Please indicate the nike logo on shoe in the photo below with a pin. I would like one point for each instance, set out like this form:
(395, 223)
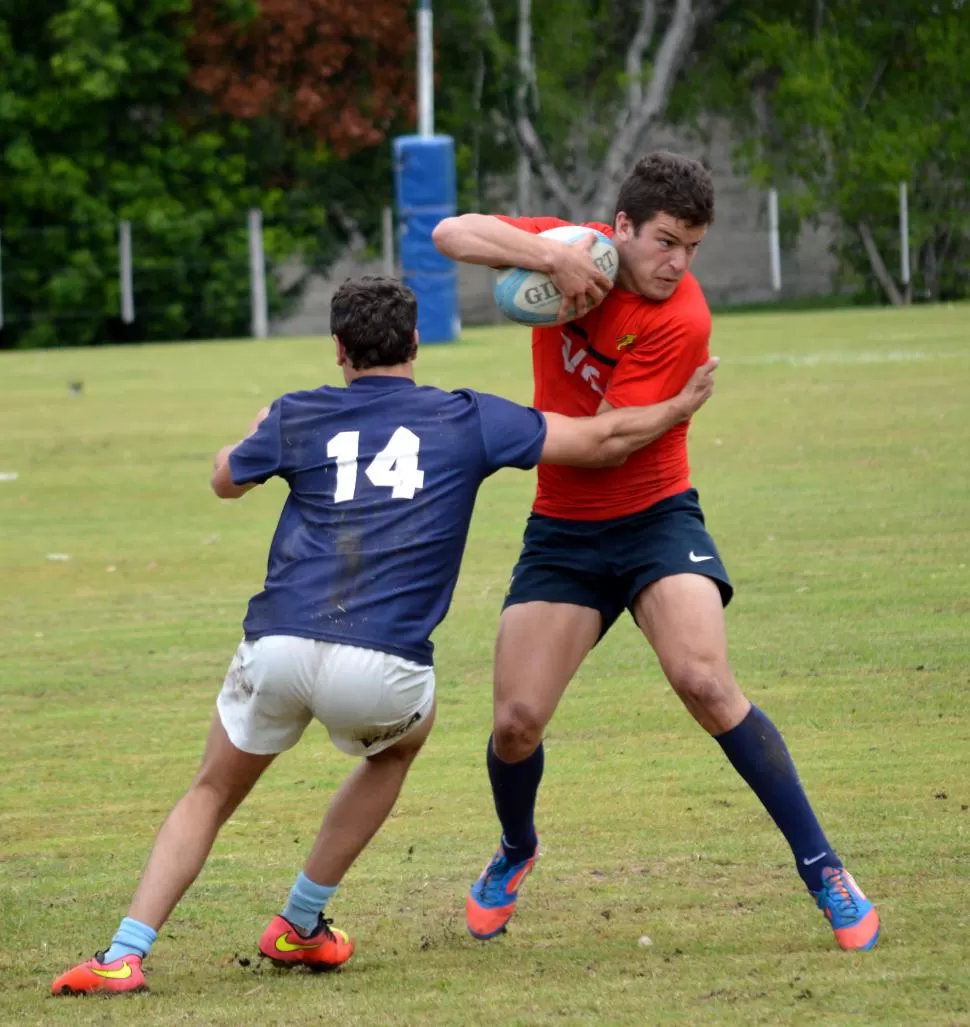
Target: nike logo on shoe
(694, 558)
(120, 974)
(283, 944)
(815, 859)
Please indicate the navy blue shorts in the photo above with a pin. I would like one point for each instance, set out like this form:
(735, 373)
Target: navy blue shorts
(606, 564)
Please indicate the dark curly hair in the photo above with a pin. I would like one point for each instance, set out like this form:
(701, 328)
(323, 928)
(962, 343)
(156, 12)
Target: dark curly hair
(667, 183)
(374, 318)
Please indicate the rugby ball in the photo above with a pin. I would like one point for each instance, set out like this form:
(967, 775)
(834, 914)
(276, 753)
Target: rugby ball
(531, 297)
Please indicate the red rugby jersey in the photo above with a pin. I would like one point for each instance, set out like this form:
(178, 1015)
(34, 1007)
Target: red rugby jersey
(630, 351)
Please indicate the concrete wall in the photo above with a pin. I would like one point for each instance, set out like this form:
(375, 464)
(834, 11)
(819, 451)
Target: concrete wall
(733, 264)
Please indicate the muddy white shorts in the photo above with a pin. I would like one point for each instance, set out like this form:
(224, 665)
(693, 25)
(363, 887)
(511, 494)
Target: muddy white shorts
(367, 700)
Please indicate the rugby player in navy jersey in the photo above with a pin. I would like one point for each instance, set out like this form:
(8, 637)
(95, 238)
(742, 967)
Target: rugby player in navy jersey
(382, 480)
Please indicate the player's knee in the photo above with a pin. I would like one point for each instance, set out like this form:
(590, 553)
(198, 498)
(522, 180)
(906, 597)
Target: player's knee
(216, 793)
(703, 685)
(517, 731)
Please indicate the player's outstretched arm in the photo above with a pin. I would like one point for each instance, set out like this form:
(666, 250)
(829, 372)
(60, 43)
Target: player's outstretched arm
(607, 439)
(221, 480)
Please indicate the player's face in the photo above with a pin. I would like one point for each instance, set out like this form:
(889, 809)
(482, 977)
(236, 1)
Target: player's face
(655, 258)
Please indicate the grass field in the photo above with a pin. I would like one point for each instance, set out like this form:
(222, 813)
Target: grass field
(833, 465)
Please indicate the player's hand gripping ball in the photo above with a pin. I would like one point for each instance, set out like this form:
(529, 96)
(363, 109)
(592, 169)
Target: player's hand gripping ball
(531, 297)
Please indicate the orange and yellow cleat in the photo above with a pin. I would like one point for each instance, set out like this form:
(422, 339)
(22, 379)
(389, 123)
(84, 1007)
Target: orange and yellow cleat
(121, 976)
(325, 949)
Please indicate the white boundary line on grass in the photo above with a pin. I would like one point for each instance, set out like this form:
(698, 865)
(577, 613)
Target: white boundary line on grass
(848, 357)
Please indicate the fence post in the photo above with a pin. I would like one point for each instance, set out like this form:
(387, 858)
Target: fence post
(904, 234)
(125, 273)
(387, 242)
(257, 276)
(774, 240)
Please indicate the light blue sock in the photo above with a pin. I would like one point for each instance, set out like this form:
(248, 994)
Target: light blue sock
(133, 938)
(306, 902)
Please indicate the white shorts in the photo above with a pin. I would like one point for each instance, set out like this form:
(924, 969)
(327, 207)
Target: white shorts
(367, 700)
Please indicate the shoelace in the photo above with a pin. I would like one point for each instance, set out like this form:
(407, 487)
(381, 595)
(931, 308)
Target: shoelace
(840, 895)
(499, 865)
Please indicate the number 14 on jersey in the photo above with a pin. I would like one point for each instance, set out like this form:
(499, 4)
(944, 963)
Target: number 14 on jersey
(395, 466)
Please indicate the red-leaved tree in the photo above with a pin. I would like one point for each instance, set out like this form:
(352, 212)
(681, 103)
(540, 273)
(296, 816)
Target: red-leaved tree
(341, 70)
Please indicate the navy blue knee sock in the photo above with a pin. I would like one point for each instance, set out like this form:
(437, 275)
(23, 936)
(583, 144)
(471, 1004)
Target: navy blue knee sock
(759, 754)
(514, 788)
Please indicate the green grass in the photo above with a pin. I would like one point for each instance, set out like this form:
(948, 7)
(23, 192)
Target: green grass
(832, 463)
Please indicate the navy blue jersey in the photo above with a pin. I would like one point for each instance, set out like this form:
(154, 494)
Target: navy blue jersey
(383, 477)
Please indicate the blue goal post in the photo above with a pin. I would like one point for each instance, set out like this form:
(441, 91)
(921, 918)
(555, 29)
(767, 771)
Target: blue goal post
(425, 193)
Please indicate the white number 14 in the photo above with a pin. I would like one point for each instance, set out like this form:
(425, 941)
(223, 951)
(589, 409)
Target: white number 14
(395, 466)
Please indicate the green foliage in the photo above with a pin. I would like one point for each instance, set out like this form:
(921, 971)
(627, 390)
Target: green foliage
(472, 92)
(99, 126)
(849, 101)
(836, 104)
(579, 85)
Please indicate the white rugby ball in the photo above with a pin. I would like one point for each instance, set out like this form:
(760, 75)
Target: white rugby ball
(531, 297)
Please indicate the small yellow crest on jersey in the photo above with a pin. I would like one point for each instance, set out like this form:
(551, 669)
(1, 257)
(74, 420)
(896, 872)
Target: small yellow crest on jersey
(626, 341)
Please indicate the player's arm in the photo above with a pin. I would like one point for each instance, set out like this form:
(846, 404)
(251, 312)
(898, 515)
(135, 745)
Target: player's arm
(494, 242)
(607, 439)
(221, 480)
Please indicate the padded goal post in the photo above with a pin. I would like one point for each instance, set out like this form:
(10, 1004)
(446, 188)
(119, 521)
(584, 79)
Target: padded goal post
(425, 193)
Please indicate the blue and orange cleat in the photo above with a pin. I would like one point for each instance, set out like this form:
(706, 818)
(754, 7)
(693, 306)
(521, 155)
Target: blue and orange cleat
(325, 949)
(491, 899)
(850, 914)
(95, 976)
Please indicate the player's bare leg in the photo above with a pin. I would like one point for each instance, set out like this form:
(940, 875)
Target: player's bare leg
(224, 779)
(539, 648)
(300, 934)
(361, 805)
(683, 619)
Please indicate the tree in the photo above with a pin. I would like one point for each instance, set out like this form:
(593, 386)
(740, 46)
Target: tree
(580, 102)
(101, 122)
(839, 104)
(337, 70)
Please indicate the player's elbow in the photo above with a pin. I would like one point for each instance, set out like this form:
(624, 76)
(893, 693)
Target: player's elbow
(611, 453)
(220, 488)
(460, 237)
(602, 447)
(447, 235)
(223, 485)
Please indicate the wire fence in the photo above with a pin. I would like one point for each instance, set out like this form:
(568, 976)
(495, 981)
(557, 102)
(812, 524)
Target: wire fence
(193, 276)
(201, 275)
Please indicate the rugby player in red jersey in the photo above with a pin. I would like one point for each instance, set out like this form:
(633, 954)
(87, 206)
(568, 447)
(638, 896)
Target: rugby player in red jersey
(633, 537)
